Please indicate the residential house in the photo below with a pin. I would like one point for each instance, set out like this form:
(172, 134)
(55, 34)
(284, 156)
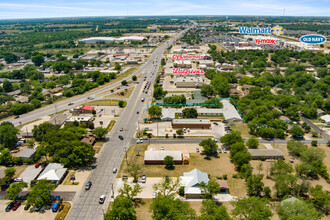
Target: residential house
(285, 119)
(258, 154)
(191, 182)
(53, 172)
(27, 153)
(326, 119)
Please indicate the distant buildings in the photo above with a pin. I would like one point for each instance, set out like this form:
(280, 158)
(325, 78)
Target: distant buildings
(94, 40)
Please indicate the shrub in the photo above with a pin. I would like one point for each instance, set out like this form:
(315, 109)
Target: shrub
(181, 191)
(219, 177)
(235, 176)
(314, 143)
(174, 135)
(225, 176)
(169, 162)
(315, 134)
(262, 158)
(166, 135)
(91, 125)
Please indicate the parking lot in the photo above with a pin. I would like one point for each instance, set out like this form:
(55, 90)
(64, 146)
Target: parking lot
(20, 213)
(166, 128)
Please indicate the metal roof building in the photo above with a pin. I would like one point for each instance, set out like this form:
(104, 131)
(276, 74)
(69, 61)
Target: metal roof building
(27, 153)
(94, 40)
(191, 181)
(266, 153)
(157, 156)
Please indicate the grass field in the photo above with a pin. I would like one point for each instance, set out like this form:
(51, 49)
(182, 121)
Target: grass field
(62, 214)
(105, 102)
(243, 128)
(110, 125)
(127, 93)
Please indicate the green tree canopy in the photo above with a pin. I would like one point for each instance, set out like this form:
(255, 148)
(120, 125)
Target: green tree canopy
(211, 211)
(122, 208)
(155, 111)
(252, 208)
(40, 193)
(189, 113)
(231, 138)
(169, 162)
(209, 146)
(14, 190)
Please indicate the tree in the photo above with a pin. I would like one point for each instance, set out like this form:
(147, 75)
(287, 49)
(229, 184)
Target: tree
(41, 130)
(253, 143)
(189, 113)
(296, 147)
(252, 208)
(297, 209)
(166, 207)
(159, 93)
(40, 193)
(14, 190)
(7, 86)
(320, 199)
(284, 184)
(38, 60)
(209, 146)
(167, 186)
(100, 132)
(210, 189)
(124, 82)
(168, 162)
(121, 104)
(155, 111)
(255, 185)
(231, 138)
(134, 78)
(134, 170)
(6, 157)
(241, 158)
(8, 134)
(10, 172)
(117, 67)
(211, 211)
(122, 208)
(207, 90)
(280, 167)
(296, 131)
(129, 192)
(179, 132)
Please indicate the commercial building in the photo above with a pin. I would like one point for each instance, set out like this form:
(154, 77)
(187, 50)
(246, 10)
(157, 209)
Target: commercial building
(192, 123)
(258, 154)
(80, 119)
(191, 182)
(189, 82)
(157, 156)
(182, 63)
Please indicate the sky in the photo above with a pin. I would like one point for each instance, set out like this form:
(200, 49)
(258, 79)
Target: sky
(80, 8)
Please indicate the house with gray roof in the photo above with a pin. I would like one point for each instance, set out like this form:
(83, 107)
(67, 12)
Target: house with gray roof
(191, 182)
(258, 154)
(54, 172)
(27, 153)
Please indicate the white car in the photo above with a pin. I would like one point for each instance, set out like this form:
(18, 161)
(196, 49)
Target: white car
(18, 180)
(154, 195)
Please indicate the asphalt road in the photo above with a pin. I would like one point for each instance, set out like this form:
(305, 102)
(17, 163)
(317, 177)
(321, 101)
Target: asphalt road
(86, 204)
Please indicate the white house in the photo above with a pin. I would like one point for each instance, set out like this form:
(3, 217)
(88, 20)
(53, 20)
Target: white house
(191, 182)
(326, 119)
(54, 172)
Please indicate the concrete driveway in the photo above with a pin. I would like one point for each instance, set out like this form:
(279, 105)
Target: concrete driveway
(30, 173)
(147, 188)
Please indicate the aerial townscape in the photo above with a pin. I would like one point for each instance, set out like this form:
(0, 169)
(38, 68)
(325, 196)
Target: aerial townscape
(175, 117)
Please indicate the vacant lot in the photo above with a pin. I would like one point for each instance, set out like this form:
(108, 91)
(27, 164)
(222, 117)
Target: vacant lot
(126, 93)
(105, 102)
(214, 166)
(243, 128)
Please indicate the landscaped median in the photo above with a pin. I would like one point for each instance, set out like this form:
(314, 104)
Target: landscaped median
(108, 102)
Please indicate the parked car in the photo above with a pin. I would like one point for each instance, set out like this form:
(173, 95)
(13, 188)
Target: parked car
(137, 112)
(9, 206)
(162, 148)
(143, 179)
(27, 206)
(121, 129)
(114, 170)
(101, 199)
(224, 150)
(154, 195)
(197, 149)
(18, 180)
(220, 151)
(16, 205)
(37, 208)
(17, 116)
(55, 207)
(215, 123)
(121, 137)
(37, 165)
(88, 185)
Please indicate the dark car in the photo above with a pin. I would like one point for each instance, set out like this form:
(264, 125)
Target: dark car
(16, 205)
(121, 137)
(17, 116)
(37, 208)
(27, 206)
(88, 185)
(137, 112)
(9, 206)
